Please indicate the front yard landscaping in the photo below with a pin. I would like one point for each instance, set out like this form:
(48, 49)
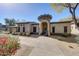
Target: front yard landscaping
(35, 45)
(8, 45)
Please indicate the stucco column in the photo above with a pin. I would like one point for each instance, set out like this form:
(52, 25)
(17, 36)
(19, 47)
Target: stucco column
(21, 29)
(29, 29)
(40, 28)
(48, 29)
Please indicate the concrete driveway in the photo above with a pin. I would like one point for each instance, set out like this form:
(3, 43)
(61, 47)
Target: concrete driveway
(46, 46)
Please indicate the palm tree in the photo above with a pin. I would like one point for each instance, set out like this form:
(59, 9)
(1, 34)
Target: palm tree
(45, 17)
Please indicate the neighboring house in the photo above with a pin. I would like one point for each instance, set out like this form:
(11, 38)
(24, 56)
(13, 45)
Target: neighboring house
(45, 27)
(2, 27)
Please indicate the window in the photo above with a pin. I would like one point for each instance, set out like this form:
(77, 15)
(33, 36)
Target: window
(53, 29)
(65, 29)
(23, 29)
(34, 29)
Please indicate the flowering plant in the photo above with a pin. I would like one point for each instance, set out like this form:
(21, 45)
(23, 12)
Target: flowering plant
(8, 45)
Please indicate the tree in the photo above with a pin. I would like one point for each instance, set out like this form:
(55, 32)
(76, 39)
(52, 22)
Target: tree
(12, 22)
(71, 7)
(6, 21)
(9, 22)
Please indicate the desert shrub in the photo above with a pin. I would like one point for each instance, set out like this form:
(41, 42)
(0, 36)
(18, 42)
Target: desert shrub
(8, 45)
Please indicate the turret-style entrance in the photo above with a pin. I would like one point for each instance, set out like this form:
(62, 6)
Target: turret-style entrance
(44, 25)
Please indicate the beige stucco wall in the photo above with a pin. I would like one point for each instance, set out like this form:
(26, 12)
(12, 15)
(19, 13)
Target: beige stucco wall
(21, 28)
(27, 28)
(59, 27)
(74, 30)
(13, 30)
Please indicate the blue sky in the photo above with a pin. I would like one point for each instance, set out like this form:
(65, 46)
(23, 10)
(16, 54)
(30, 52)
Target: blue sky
(30, 12)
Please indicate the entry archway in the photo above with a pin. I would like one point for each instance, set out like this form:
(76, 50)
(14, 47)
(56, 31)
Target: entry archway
(44, 27)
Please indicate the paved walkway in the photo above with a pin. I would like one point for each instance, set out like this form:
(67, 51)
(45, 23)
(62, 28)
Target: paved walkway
(45, 46)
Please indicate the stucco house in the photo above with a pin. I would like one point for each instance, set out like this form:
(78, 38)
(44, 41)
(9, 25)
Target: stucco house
(45, 27)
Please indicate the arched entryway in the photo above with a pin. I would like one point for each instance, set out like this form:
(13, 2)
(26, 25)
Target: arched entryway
(44, 27)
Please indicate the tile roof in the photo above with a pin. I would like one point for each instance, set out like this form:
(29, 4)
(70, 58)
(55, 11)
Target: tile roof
(25, 22)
